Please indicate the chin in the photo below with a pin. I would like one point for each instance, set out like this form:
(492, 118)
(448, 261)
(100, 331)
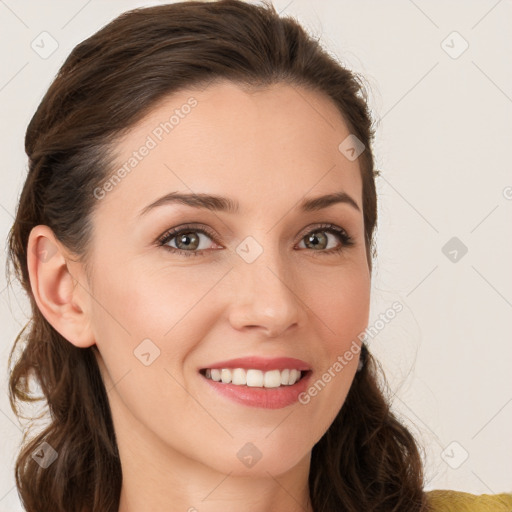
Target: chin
(247, 459)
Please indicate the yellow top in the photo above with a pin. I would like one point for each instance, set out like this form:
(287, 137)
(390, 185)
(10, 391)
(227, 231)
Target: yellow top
(457, 501)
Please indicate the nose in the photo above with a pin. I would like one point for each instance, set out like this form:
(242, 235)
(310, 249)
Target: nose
(264, 296)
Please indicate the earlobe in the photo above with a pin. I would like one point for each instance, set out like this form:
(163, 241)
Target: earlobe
(60, 296)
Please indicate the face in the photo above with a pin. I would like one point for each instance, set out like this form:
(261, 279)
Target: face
(269, 280)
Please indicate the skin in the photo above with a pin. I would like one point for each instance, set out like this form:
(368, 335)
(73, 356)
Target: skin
(178, 439)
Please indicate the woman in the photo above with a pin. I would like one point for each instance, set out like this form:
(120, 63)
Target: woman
(196, 238)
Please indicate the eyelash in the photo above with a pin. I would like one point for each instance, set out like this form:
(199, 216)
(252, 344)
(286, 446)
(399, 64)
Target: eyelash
(347, 240)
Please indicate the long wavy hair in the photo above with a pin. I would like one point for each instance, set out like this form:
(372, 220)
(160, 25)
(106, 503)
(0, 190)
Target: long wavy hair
(367, 460)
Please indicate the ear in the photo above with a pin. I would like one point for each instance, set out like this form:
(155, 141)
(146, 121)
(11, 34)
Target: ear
(62, 297)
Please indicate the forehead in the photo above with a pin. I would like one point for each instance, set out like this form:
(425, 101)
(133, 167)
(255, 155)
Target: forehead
(273, 144)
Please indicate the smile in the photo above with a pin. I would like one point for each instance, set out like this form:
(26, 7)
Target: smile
(253, 377)
(257, 388)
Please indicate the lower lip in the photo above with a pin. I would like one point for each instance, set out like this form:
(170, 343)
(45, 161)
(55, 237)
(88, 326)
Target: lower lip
(266, 398)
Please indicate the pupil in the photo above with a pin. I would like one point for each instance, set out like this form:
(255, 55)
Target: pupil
(313, 239)
(186, 238)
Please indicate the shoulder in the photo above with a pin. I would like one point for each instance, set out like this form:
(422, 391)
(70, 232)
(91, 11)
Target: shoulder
(457, 501)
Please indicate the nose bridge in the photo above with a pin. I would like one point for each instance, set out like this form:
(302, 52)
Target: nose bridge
(262, 264)
(265, 294)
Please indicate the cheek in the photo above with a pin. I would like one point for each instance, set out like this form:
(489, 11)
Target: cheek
(340, 298)
(341, 304)
(146, 323)
(135, 301)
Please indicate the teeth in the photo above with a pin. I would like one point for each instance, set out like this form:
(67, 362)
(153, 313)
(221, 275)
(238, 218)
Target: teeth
(238, 377)
(272, 379)
(225, 376)
(254, 378)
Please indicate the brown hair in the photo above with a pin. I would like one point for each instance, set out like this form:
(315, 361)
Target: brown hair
(367, 460)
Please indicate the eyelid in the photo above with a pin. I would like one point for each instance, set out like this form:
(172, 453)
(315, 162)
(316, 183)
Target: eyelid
(172, 232)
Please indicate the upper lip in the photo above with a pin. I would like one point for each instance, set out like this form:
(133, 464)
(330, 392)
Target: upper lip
(262, 363)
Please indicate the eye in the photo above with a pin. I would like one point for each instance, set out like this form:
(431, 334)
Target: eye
(186, 240)
(317, 238)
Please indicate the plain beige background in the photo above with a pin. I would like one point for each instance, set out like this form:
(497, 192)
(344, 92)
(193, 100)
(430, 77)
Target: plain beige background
(440, 85)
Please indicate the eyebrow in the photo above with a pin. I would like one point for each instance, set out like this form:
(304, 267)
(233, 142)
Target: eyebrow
(225, 204)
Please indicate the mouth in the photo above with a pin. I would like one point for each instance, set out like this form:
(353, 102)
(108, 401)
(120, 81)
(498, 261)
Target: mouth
(254, 378)
(270, 389)
(255, 381)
